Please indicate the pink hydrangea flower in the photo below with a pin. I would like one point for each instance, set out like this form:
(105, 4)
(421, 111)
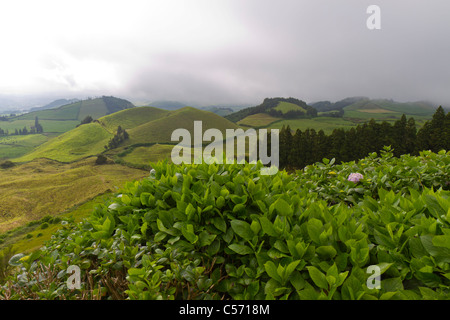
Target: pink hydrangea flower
(355, 177)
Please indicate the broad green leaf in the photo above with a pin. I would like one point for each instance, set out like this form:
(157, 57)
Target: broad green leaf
(434, 207)
(255, 226)
(282, 207)
(291, 267)
(240, 249)
(205, 238)
(272, 271)
(441, 241)
(144, 228)
(314, 227)
(387, 295)
(161, 226)
(318, 277)
(242, 229)
(238, 207)
(253, 288)
(392, 284)
(297, 280)
(220, 202)
(220, 223)
(267, 226)
(190, 210)
(126, 199)
(136, 271)
(188, 233)
(326, 252)
(441, 254)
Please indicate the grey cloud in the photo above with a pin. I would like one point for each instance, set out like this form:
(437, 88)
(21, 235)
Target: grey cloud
(244, 51)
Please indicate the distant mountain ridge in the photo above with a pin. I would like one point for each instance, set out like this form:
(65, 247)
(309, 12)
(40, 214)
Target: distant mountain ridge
(96, 108)
(55, 104)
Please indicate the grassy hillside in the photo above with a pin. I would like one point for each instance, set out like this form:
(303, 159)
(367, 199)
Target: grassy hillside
(144, 125)
(284, 107)
(96, 108)
(33, 235)
(17, 146)
(83, 141)
(131, 118)
(160, 130)
(257, 120)
(44, 187)
(387, 110)
(327, 124)
(143, 155)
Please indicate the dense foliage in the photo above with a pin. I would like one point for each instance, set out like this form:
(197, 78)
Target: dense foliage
(301, 148)
(225, 231)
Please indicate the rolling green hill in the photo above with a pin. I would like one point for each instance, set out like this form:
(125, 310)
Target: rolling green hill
(96, 108)
(285, 107)
(83, 141)
(131, 118)
(145, 125)
(388, 110)
(160, 130)
(59, 120)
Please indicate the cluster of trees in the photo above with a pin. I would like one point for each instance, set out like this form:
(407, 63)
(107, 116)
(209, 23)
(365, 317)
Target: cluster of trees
(86, 120)
(301, 148)
(120, 136)
(114, 104)
(268, 106)
(37, 128)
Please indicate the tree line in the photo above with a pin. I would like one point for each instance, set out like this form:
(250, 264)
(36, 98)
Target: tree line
(301, 148)
(37, 128)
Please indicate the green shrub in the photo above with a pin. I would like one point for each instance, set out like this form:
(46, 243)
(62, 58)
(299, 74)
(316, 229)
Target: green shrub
(101, 159)
(7, 164)
(44, 225)
(225, 231)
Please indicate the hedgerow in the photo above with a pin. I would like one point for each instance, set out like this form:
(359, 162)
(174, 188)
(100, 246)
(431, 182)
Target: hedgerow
(224, 231)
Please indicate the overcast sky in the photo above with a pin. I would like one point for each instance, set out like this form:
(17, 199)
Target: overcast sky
(225, 51)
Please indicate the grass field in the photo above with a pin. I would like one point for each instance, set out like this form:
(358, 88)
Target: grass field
(67, 112)
(327, 124)
(145, 155)
(144, 125)
(131, 118)
(95, 108)
(257, 120)
(284, 107)
(86, 140)
(160, 130)
(58, 126)
(44, 187)
(33, 235)
(16, 146)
